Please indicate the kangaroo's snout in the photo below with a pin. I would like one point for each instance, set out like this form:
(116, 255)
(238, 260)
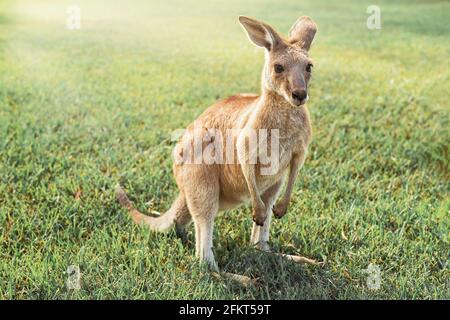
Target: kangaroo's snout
(299, 96)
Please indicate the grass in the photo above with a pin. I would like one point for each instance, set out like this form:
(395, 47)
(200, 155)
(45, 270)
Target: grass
(83, 109)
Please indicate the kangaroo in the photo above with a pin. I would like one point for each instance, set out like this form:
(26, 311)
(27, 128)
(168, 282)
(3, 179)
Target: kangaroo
(207, 188)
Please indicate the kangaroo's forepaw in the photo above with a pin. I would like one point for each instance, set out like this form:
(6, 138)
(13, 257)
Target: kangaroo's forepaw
(279, 210)
(259, 221)
(259, 214)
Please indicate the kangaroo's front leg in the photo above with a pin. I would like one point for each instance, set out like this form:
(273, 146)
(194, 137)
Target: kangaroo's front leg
(245, 155)
(260, 235)
(259, 209)
(281, 207)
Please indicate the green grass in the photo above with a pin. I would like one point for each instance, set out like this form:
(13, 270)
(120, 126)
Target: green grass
(81, 110)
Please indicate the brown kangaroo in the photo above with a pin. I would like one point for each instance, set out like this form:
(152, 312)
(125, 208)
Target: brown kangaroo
(207, 188)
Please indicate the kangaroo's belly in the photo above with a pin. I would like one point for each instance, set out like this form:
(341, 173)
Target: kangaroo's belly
(233, 186)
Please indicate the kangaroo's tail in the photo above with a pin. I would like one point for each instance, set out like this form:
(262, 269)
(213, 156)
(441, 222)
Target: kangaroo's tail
(177, 213)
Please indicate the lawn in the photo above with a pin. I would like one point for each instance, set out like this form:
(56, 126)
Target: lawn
(83, 109)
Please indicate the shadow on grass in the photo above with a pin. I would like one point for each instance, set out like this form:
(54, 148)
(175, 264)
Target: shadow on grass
(279, 278)
(282, 279)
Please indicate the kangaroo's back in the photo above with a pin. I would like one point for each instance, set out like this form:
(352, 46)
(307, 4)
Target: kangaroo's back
(229, 113)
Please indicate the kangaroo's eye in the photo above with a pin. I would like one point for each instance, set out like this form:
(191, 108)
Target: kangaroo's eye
(309, 67)
(278, 68)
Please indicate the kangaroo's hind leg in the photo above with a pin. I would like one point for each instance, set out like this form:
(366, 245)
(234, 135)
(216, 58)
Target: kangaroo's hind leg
(182, 218)
(202, 198)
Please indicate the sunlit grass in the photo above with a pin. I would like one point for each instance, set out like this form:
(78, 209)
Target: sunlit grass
(83, 109)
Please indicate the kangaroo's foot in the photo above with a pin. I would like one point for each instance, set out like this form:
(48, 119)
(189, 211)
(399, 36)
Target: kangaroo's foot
(262, 246)
(300, 259)
(241, 279)
(296, 258)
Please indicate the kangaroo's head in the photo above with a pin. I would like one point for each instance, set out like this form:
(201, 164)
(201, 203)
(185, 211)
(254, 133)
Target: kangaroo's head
(287, 67)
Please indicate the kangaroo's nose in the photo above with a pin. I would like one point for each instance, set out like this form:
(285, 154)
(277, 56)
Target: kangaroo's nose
(299, 95)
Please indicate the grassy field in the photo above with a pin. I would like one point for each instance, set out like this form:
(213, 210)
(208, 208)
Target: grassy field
(83, 109)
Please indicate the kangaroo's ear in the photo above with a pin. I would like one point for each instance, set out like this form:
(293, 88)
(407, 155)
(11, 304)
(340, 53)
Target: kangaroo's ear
(260, 33)
(302, 32)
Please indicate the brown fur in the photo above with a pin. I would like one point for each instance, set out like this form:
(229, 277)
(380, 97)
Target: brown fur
(206, 189)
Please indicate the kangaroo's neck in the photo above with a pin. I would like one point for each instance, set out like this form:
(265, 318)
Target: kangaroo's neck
(271, 100)
(274, 111)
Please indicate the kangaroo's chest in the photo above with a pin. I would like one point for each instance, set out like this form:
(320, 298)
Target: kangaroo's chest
(290, 134)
